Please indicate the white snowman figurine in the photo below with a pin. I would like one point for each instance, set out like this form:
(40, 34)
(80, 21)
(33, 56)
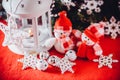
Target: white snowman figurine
(62, 30)
(90, 39)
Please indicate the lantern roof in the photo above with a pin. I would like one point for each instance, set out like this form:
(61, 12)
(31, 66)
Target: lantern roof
(26, 8)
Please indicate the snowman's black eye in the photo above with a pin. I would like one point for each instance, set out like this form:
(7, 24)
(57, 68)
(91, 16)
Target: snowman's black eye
(85, 37)
(61, 33)
(45, 65)
(22, 5)
(41, 55)
(39, 2)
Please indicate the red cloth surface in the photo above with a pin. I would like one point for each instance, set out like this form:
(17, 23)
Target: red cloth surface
(11, 69)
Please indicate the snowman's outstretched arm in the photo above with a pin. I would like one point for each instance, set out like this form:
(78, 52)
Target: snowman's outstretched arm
(97, 49)
(49, 43)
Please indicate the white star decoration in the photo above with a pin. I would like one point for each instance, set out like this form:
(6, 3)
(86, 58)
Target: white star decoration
(105, 61)
(6, 31)
(12, 34)
(29, 60)
(68, 3)
(112, 28)
(65, 65)
(91, 5)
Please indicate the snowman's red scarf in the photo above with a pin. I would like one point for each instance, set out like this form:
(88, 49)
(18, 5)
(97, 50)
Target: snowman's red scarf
(66, 43)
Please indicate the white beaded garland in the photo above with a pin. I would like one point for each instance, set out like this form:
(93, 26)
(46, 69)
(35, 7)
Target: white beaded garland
(44, 55)
(71, 55)
(53, 59)
(42, 64)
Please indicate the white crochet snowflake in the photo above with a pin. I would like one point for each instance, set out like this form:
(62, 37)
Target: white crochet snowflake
(12, 34)
(91, 5)
(105, 61)
(44, 55)
(112, 28)
(68, 3)
(6, 31)
(29, 60)
(52, 60)
(65, 65)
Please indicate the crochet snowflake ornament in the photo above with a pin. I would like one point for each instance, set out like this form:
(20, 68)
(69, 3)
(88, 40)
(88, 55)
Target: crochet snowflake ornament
(52, 60)
(29, 60)
(63, 63)
(44, 55)
(91, 5)
(68, 3)
(6, 31)
(12, 34)
(33, 61)
(112, 28)
(105, 61)
(42, 64)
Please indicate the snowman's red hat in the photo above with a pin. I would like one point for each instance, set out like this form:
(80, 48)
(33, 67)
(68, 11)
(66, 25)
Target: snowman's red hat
(63, 23)
(95, 31)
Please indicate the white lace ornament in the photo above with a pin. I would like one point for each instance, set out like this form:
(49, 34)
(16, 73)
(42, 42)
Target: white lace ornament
(12, 34)
(29, 60)
(68, 3)
(64, 64)
(91, 5)
(112, 28)
(44, 55)
(42, 64)
(105, 61)
(71, 55)
(52, 60)
(6, 31)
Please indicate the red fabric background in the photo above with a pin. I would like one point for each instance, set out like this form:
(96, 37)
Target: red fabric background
(10, 69)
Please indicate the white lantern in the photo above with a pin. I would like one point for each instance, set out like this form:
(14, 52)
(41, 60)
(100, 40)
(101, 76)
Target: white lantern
(31, 19)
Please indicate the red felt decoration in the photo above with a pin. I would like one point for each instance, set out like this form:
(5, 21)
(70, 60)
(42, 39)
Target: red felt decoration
(10, 68)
